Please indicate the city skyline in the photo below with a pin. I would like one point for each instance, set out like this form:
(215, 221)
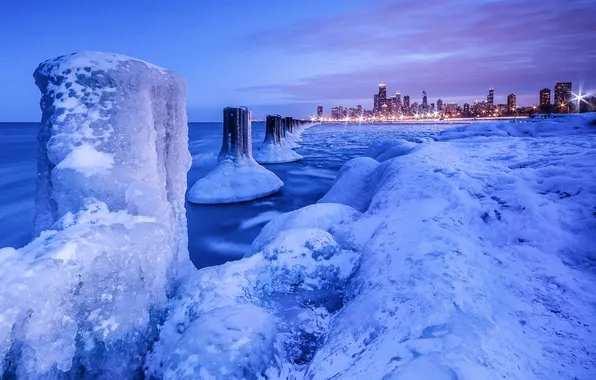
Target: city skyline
(289, 57)
(392, 105)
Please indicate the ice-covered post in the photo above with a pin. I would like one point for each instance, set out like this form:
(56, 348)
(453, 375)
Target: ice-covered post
(278, 128)
(237, 138)
(86, 298)
(272, 129)
(283, 126)
(288, 126)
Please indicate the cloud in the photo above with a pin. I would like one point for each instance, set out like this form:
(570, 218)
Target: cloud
(450, 48)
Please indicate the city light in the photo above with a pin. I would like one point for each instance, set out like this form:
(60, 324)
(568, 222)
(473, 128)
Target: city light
(389, 108)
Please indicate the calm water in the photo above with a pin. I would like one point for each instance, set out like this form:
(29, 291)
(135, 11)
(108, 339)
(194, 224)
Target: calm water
(217, 233)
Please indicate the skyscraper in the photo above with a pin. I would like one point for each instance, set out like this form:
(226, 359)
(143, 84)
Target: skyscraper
(562, 93)
(382, 96)
(440, 105)
(511, 103)
(392, 105)
(376, 103)
(490, 99)
(545, 98)
(424, 99)
(467, 109)
(335, 113)
(406, 102)
(320, 112)
(398, 97)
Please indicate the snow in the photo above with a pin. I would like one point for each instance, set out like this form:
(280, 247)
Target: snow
(84, 298)
(87, 161)
(476, 261)
(233, 342)
(354, 185)
(275, 154)
(466, 256)
(237, 177)
(234, 181)
(275, 304)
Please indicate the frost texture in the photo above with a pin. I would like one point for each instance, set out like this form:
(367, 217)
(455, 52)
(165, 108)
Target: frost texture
(84, 298)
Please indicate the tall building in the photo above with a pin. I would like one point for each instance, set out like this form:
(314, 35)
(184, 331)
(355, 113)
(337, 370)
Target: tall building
(562, 93)
(406, 102)
(382, 96)
(467, 109)
(335, 113)
(451, 108)
(424, 99)
(545, 98)
(376, 103)
(511, 103)
(359, 110)
(392, 103)
(398, 97)
(440, 105)
(320, 112)
(490, 99)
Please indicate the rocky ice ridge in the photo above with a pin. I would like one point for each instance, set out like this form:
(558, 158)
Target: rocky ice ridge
(465, 256)
(83, 299)
(237, 177)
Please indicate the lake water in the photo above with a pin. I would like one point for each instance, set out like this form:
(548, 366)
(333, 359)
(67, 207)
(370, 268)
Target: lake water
(217, 233)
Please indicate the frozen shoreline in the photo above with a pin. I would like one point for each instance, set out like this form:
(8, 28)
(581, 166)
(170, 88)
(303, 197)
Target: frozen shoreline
(471, 259)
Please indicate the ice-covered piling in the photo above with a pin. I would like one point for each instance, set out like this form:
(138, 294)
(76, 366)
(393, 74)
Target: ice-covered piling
(112, 163)
(276, 149)
(237, 134)
(272, 125)
(238, 177)
(288, 125)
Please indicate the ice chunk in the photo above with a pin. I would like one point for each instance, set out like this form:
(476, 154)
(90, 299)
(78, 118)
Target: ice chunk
(272, 150)
(307, 259)
(233, 342)
(297, 280)
(238, 177)
(325, 216)
(83, 299)
(388, 149)
(354, 185)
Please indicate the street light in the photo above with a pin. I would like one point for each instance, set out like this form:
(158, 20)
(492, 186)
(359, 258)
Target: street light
(579, 98)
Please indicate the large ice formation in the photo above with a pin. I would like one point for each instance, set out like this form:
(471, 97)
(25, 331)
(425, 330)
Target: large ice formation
(469, 258)
(275, 149)
(83, 299)
(237, 177)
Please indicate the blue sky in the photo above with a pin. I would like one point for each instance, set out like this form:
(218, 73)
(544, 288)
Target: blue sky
(288, 56)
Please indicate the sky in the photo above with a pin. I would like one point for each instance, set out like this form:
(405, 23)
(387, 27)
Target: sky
(289, 56)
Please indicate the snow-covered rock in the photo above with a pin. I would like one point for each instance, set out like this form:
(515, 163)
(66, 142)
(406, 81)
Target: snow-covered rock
(83, 300)
(324, 216)
(355, 184)
(232, 342)
(274, 150)
(287, 290)
(387, 149)
(238, 177)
